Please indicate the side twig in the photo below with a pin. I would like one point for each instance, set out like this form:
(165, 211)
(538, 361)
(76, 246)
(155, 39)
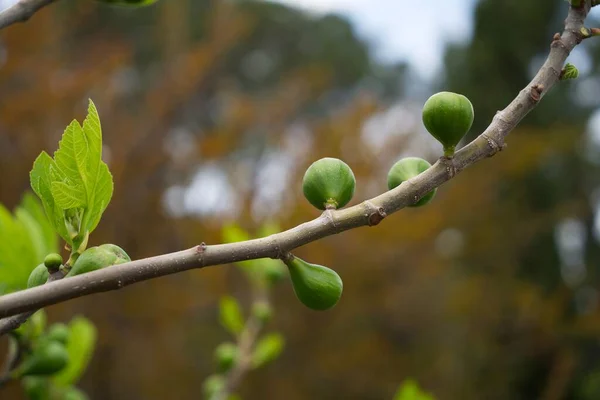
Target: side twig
(368, 213)
(21, 11)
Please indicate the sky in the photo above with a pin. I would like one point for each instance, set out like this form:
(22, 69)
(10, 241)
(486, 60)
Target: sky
(410, 30)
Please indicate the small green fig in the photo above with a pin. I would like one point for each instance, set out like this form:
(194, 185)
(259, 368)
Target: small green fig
(328, 183)
(35, 387)
(47, 359)
(212, 385)
(73, 393)
(448, 117)
(58, 332)
(408, 168)
(98, 257)
(316, 286)
(53, 261)
(226, 355)
(38, 276)
(262, 310)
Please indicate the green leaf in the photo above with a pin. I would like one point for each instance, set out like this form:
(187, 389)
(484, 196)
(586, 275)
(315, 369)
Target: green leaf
(82, 340)
(17, 252)
(410, 390)
(230, 315)
(35, 209)
(267, 349)
(41, 182)
(76, 186)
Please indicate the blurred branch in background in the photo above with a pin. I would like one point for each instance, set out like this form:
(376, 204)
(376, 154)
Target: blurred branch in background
(21, 11)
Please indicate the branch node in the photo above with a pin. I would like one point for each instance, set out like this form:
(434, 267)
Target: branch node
(200, 250)
(448, 162)
(535, 94)
(495, 145)
(373, 214)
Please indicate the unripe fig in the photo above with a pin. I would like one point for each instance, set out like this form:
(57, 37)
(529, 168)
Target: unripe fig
(74, 394)
(448, 117)
(53, 261)
(35, 387)
(212, 385)
(58, 332)
(47, 359)
(316, 286)
(262, 310)
(226, 356)
(408, 168)
(98, 257)
(38, 276)
(328, 183)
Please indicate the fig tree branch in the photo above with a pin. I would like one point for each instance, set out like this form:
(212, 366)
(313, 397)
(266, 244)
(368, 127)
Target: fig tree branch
(21, 11)
(331, 222)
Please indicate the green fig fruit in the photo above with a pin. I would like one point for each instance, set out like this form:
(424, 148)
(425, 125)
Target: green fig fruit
(36, 388)
(448, 117)
(328, 183)
(408, 168)
(262, 310)
(316, 286)
(53, 261)
(38, 276)
(213, 385)
(58, 332)
(226, 356)
(73, 393)
(128, 3)
(47, 359)
(122, 256)
(98, 257)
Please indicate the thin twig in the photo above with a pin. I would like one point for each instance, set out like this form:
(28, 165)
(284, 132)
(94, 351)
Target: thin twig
(368, 213)
(245, 344)
(21, 11)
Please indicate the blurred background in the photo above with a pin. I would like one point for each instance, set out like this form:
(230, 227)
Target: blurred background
(213, 109)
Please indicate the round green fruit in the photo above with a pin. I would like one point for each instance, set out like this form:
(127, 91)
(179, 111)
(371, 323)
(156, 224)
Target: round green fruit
(38, 276)
(98, 257)
(406, 169)
(53, 261)
(212, 385)
(328, 183)
(49, 358)
(35, 387)
(316, 286)
(448, 117)
(226, 356)
(58, 332)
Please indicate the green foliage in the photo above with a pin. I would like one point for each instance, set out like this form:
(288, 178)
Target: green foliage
(267, 349)
(410, 390)
(569, 72)
(230, 315)
(316, 286)
(25, 239)
(75, 186)
(328, 183)
(82, 340)
(226, 355)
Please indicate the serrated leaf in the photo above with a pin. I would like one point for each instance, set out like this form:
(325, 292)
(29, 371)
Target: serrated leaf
(76, 181)
(82, 340)
(35, 209)
(267, 349)
(230, 315)
(41, 182)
